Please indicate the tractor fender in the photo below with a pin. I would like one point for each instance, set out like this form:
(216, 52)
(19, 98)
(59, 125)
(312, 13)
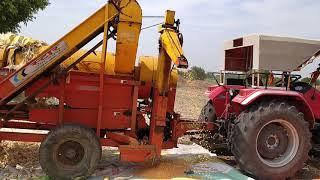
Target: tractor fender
(247, 97)
(215, 92)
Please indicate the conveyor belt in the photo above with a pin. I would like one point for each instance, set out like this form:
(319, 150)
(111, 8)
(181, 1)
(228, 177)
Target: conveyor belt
(56, 53)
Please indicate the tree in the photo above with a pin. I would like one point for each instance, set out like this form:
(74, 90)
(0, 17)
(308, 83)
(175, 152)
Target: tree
(14, 12)
(306, 80)
(197, 73)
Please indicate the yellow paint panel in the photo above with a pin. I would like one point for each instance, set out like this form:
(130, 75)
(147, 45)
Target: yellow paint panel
(148, 70)
(148, 67)
(132, 13)
(169, 17)
(174, 77)
(172, 46)
(92, 62)
(127, 45)
(129, 29)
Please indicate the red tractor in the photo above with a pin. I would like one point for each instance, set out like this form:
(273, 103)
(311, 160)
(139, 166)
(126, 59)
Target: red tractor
(266, 115)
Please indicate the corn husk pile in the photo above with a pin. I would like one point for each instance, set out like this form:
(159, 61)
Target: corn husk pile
(27, 48)
(19, 160)
(13, 153)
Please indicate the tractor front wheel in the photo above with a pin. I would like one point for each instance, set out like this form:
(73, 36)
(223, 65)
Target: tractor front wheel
(70, 152)
(215, 144)
(208, 113)
(271, 140)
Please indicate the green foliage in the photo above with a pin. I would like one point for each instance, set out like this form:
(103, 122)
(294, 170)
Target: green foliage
(195, 73)
(14, 12)
(306, 80)
(211, 75)
(184, 74)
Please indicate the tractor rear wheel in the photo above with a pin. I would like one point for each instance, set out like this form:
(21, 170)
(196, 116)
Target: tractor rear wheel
(70, 152)
(271, 140)
(316, 141)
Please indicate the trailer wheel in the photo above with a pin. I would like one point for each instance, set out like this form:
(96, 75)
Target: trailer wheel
(70, 152)
(271, 141)
(208, 113)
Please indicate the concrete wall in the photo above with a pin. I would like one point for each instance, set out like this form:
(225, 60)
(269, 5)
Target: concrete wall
(277, 53)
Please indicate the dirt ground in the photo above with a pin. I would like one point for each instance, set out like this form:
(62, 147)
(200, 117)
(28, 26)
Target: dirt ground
(20, 160)
(191, 98)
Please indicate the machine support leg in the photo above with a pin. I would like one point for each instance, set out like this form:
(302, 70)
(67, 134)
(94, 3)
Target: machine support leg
(134, 109)
(61, 100)
(102, 71)
(158, 121)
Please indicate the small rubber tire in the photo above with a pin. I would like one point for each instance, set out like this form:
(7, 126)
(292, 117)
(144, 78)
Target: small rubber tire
(79, 143)
(245, 137)
(208, 113)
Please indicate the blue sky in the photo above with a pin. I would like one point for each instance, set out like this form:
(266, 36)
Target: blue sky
(206, 24)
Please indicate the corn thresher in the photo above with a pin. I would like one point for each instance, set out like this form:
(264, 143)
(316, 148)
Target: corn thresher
(113, 103)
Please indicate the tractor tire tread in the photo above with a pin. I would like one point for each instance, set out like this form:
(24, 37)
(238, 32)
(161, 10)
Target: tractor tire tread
(241, 139)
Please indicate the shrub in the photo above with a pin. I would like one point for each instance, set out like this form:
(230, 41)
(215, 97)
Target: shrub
(197, 73)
